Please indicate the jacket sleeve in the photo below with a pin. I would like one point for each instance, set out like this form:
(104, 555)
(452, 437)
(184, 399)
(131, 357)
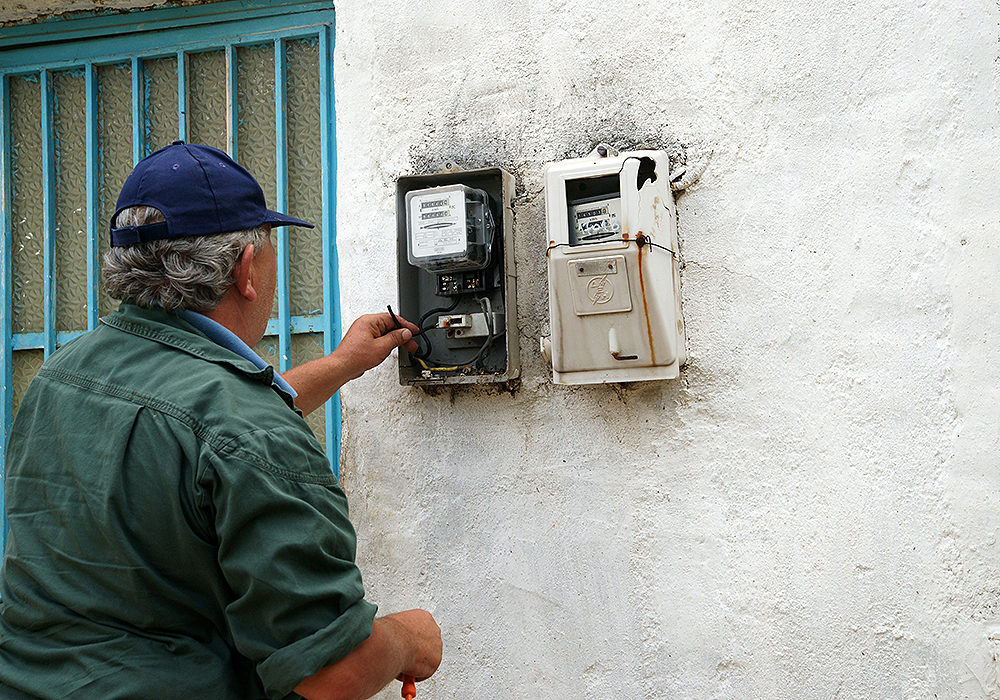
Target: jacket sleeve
(286, 549)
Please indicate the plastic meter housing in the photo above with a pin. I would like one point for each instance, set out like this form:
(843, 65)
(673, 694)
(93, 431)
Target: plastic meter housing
(449, 228)
(613, 273)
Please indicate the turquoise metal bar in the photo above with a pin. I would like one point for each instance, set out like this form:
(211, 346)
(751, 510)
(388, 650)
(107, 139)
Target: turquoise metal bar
(36, 341)
(6, 288)
(298, 324)
(182, 127)
(138, 113)
(331, 276)
(48, 214)
(93, 202)
(281, 191)
(259, 31)
(232, 106)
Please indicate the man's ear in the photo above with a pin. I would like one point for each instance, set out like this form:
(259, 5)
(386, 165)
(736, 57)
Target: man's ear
(241, 274)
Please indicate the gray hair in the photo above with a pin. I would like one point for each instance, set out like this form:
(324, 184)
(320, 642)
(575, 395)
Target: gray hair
(192, 272)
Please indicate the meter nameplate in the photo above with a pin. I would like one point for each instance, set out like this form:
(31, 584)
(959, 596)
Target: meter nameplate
(602, 266)
(437, 224)
(600, 285)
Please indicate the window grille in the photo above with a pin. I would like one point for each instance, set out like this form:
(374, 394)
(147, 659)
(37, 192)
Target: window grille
(82, 100)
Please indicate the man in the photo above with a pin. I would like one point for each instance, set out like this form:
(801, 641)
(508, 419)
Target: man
(175, 530)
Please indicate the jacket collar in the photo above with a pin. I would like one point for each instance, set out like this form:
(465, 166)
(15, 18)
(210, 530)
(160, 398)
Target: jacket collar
(171, 330)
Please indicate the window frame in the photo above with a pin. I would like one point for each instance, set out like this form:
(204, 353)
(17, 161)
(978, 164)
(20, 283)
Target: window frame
(100, 38)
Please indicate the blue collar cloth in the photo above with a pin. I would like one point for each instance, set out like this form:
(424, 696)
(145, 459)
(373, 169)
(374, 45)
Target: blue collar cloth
(221, 335)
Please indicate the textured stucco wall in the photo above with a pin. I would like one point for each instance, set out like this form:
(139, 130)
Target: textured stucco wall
(810, 511)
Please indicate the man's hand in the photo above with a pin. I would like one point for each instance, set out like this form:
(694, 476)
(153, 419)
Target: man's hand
(402, 644)
(366, 344)
(425, 641)
(369, 341)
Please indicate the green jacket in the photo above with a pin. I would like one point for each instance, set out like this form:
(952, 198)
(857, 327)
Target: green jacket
(175, 529)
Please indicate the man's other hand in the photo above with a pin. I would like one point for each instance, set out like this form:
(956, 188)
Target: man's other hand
(402, 644)
(425, 641)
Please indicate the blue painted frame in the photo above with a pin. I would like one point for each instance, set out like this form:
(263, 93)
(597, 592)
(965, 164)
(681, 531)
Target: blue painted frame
(93, 39)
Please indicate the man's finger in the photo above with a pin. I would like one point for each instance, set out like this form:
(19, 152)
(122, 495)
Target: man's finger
(394, 339)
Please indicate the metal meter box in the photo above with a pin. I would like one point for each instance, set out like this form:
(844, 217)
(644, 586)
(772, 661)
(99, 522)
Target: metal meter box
(456, 277)
(614, 287)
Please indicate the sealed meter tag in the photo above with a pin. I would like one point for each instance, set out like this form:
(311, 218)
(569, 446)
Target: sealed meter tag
(438, 224)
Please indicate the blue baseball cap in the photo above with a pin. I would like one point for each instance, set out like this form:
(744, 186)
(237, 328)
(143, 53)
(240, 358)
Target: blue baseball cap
(199, 189)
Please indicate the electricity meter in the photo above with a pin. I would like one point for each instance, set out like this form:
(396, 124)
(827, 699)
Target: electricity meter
(456, 277)
(614, 286)
(448, 228)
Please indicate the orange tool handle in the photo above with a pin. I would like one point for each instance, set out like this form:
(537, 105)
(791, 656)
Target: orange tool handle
(409, 690)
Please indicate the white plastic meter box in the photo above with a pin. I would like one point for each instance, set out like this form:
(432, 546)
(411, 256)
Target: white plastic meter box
(614, 288)
(456, 277)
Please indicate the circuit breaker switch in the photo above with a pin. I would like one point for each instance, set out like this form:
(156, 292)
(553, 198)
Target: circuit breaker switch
(470, 325)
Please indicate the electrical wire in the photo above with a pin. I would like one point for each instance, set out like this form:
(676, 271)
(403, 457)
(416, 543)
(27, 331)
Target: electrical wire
(640, 240)
(487, 308)
(421, 352)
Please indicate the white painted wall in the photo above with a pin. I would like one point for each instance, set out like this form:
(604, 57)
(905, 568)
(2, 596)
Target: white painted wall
(810, 511)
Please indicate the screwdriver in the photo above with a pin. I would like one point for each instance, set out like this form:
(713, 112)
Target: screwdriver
(409, 690)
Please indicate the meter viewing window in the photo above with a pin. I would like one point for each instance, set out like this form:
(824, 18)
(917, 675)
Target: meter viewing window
(595, 209)
(449, 229)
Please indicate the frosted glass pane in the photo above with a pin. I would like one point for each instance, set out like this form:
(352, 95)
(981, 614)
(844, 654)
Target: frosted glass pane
(26, 213)
(114, 138)
(255, 111)
(25, 366)
(161, 102)
(305, 177)
(305, 347)
(71, 200)
(267, 348)
(207, 98)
